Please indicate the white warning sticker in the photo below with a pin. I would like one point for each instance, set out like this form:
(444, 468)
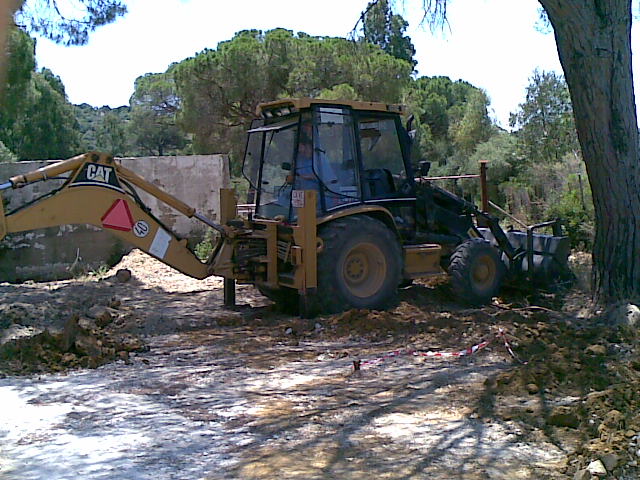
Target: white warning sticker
(297, 198)
(141, 229)
(160, 244)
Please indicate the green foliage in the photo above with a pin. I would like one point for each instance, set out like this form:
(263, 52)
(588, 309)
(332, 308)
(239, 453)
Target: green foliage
(546, 129)
(344, 92)
(220, 89)
(204, 249)
(6, 155)
(69, 22)
(154, 106)
(452, 120)
(385, 29)
(48, 128)
(36, 120)
(111, 135)
(503, 162)
(104, 129)
(21, 65)
(575, 208)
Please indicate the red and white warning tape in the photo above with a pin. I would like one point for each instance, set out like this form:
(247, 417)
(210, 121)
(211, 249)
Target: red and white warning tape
(361, 364)
(502, 334)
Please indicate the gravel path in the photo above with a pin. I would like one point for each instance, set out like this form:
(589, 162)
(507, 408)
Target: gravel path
(192, 408)
(218, 400)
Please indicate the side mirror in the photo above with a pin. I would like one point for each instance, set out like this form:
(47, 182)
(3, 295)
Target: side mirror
(285, 166)
(409, 126)
(424, 168)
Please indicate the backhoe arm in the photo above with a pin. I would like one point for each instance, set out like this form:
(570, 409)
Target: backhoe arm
(98, 191)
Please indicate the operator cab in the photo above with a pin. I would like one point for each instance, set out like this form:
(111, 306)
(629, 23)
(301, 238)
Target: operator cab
(351, 153)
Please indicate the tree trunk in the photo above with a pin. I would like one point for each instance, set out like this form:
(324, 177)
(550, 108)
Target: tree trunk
(594, 44)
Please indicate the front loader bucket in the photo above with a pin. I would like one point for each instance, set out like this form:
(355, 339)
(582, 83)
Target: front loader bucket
(548, 254)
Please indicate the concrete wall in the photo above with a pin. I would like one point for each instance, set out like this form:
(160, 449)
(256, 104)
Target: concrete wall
(60, 252)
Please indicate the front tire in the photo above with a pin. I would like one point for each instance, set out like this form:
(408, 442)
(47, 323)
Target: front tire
(476, 271)
(359, 266)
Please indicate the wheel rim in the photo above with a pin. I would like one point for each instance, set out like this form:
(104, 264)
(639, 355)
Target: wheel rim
(483, 273)
(364, 270)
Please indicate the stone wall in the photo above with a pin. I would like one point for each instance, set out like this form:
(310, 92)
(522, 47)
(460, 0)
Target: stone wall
(60, 252)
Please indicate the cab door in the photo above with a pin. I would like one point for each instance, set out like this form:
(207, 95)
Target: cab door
(334, 157)
(384, 175)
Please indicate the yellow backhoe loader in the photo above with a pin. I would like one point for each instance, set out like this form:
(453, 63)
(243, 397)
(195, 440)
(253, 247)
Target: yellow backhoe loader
(339, 222)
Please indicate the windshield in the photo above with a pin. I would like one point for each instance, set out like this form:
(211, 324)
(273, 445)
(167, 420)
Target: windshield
(274, 146)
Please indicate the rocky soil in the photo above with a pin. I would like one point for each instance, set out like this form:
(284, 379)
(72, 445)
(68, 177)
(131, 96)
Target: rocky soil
(152, 378)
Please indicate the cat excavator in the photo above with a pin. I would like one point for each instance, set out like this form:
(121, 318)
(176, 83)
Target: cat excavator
(340, 219)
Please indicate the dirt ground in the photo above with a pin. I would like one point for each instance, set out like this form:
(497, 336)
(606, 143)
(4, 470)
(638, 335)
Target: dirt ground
(152, 378)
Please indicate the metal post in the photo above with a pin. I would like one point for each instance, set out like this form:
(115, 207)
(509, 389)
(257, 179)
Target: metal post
(530, 253)
(229, 292)
(484, 195)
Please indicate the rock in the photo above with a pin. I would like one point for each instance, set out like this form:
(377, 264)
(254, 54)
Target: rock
(104, 319)
(69, 333)
(129, 343)
(563, 416)
(582, 475)
(596, 468)
(613, 419)
(610, 461)
(88, 325)
(88, 345)
(596, 350)
(627, 315)
(123, 275)
(532, 388)
(69, 358)
(16, 331)
(102, 315)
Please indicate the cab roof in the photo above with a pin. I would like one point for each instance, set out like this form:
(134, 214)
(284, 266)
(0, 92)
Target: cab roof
(279, 108)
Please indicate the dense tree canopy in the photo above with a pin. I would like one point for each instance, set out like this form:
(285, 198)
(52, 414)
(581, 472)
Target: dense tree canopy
(544, 120)
(387, 30)
(221, 88)
(36, 120)
(452, 118)
(67, 22)
(154, 106)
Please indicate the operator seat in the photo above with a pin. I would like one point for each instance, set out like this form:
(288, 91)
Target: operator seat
(378, 183)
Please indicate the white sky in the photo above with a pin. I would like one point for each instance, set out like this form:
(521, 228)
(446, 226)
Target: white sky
(490, 43)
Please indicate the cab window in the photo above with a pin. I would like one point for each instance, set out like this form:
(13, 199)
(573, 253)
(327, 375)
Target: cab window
(383, 166)
(334, 156)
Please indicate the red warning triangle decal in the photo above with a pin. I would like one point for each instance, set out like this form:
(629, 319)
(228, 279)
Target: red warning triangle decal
(118, 217)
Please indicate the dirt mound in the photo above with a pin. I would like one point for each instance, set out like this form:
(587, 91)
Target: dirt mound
(580, 386)
(84, 342)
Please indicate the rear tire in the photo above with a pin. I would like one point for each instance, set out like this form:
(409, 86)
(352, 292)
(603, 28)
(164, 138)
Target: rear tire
(476, 271)
(359, 266)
